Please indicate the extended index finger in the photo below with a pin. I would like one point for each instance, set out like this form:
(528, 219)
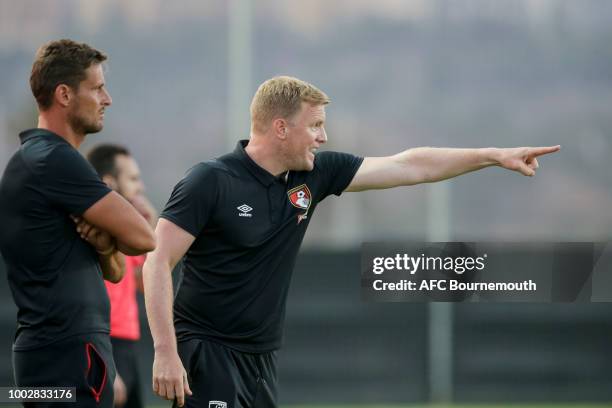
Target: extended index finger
(539, 151)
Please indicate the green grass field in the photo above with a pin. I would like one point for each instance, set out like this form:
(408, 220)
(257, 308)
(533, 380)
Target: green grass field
(544, 405)
(574, 405)
(482, 405)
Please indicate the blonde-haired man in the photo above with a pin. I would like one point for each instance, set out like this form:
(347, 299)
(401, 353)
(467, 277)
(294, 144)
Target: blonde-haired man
(238, 221)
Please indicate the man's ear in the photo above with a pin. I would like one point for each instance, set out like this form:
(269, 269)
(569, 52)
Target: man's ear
(280, 127)
(110, 181)
(63, 95)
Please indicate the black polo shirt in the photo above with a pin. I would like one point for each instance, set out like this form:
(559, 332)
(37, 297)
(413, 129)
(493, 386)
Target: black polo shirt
(54, 275)
(248, 226)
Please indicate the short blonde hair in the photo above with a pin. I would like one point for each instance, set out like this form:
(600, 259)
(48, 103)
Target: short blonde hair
(282, 97)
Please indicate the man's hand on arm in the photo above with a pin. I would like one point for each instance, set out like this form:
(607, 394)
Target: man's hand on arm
(429, 164)
(121, 220)
(112, 262)
(169, 375)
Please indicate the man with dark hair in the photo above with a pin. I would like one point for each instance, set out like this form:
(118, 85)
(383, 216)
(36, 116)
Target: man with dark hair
(104, 159)
(237, 223)
(119, 171)
(56, 270)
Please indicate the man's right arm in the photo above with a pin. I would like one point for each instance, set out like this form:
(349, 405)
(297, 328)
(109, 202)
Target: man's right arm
(169, 376)
(115, 215)
(72, 184)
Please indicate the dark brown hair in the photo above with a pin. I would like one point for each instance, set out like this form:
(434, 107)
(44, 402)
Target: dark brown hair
(60, 62)
(102, 158)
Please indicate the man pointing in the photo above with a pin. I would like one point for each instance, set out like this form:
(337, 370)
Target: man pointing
(237, 223)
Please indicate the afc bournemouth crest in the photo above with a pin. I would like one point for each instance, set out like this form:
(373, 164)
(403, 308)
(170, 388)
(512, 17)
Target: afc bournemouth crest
(300, 197)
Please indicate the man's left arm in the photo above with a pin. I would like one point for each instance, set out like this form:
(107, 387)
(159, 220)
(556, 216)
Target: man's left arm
(112, 265)
(430, 164)
(112, 262)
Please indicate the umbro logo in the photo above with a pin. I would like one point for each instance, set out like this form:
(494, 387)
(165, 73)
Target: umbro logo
(245, 210)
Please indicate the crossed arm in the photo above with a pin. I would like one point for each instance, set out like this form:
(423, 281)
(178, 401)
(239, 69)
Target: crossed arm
(112, 226)
(115, 215)
(429, 164)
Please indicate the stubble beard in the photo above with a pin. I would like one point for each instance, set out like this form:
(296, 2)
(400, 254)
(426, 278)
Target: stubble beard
(80, 124)
(296, 161)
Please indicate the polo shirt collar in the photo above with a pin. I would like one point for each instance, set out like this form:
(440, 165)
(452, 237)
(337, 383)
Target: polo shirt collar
(261, 174)
(37, 132)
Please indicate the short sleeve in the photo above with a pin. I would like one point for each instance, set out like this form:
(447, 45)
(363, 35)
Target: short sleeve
(70, 182)
(193, 199)
(336, 171)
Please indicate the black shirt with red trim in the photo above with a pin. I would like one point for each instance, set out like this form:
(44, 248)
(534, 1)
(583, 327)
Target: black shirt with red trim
(248, 226)
(54, 275)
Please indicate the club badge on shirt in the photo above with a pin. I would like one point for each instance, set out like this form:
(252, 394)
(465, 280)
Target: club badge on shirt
(300, 197)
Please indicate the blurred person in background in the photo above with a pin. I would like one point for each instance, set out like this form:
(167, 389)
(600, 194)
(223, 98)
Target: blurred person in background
(118, 169)
(237, 223)
(56, 269)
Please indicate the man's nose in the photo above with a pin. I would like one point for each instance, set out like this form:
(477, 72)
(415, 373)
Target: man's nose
(322, 136)
(107, 101)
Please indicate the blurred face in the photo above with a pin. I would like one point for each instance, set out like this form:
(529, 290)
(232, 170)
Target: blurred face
(305, 134)
(128, 181)
(86, 114)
